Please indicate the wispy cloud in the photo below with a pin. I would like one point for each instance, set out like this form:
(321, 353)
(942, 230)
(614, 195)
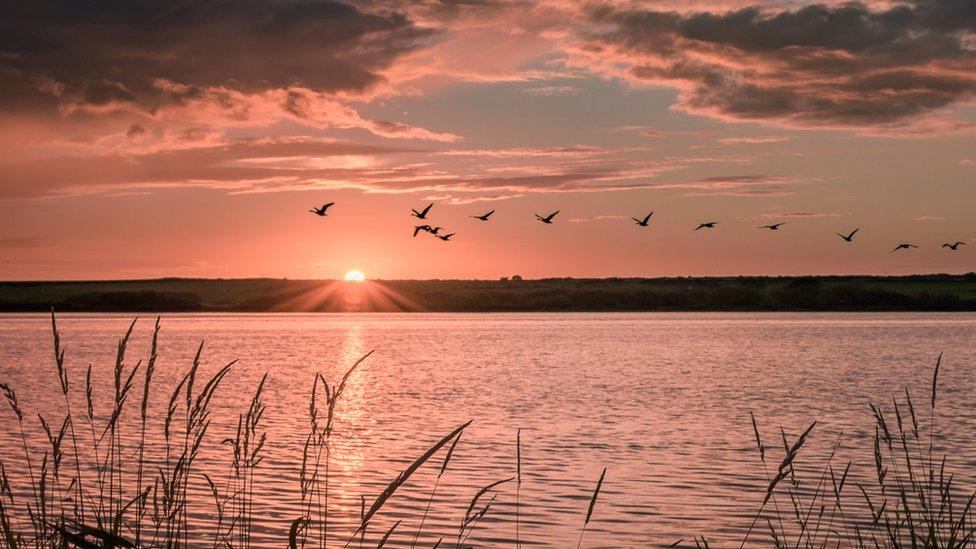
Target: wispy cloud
(800, 215)
(756, 140)
(26, 242)
(553, 90)
(596, 218)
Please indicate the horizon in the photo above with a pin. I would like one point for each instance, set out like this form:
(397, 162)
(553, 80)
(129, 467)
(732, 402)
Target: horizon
(131, 147)
(503, 278)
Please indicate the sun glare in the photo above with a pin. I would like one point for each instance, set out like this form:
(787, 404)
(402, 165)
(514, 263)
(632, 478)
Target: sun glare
(355, 275)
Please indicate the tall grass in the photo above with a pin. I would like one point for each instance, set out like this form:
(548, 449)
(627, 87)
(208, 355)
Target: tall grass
(911, 501)
(111, 488)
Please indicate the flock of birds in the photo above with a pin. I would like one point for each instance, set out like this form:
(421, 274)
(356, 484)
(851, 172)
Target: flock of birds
(641, 222)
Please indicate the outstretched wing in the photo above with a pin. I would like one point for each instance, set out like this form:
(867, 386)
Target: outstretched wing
(427, 209)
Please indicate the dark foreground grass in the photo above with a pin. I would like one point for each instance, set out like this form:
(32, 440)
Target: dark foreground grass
(94, 486)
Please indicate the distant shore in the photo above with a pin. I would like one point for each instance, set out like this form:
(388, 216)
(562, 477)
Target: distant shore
(939, 292)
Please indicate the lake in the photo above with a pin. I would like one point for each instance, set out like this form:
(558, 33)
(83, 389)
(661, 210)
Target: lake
(661, 400)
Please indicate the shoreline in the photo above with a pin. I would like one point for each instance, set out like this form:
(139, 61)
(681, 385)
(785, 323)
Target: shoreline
(836, 293)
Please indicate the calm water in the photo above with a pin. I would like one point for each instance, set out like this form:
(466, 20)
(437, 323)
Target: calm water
(661, 400)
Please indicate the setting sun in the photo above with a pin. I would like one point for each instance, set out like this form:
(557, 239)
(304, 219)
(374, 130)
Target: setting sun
(355, 275)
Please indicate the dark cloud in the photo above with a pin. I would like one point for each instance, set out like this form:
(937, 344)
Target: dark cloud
(849, 65)
(106, 53)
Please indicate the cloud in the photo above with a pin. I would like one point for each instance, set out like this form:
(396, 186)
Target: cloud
(925, 218)
(800, 215)
(218, 63)
(852, 65)
(576, 151)
(596, 218)
(756, 140)
(11, 243)
(302, 163)
(98, 54)
(552, 90)
(234, 165)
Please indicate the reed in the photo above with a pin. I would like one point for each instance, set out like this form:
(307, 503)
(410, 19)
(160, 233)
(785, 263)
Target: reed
(397, 482)
(474, 513)
(314, 475)
(518, 485)
(589, 509)
(440, 473)
(912, 503)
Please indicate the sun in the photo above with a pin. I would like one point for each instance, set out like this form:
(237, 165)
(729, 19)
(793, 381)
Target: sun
(355, 275)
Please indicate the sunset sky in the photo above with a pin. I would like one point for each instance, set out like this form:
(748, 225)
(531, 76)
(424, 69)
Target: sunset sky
(141, 140)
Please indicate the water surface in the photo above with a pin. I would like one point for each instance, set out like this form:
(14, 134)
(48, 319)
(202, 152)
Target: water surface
(661, 400)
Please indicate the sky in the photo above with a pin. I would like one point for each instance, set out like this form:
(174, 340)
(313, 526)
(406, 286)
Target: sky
(150, 139)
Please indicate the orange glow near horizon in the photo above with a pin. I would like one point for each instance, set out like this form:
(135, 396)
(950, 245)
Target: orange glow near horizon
(341, 296)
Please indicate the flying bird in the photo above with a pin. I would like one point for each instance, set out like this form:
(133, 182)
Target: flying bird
(423, 213)
(707, 225)
(774, 226)
(954, 245)
(444, 237)
(645, 221)
(547, 219)
(434, 230)
(321, 211)
(850, 237)
(419, 228)
(484, 217)
(904, 246)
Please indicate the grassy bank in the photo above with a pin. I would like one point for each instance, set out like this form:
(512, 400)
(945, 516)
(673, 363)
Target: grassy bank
(825, 293)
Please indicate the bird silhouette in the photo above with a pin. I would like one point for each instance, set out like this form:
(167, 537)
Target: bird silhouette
(954, 245)
(444, 237)
(904, 246)
(321, 211)
(419, 228)
(774, 226)
(645, 221)
(484, 217)
(707, 225)
(422, 214)
(547, 219)
(434, 230)
(850, 237)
